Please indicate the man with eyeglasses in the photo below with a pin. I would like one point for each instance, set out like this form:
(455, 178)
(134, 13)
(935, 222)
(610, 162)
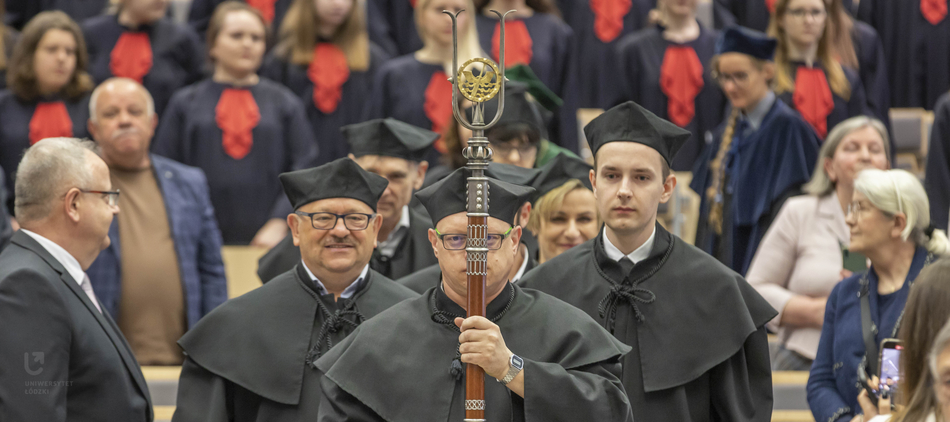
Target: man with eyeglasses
(163, 270)
(544, 360)
(76, 365)
(253, 358)
(396, 151)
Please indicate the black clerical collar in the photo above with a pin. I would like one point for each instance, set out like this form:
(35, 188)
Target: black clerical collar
(494, 309)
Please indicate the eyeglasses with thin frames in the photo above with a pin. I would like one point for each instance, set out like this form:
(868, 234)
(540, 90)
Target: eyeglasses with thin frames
(327, 220)
(456, 242)
(801, 14)
(111, 196)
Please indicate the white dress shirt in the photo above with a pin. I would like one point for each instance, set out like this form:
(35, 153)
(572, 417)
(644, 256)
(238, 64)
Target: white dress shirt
(348, 291)
(636, 256)
(68, 261)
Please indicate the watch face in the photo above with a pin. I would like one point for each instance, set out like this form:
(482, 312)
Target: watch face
(517, 362)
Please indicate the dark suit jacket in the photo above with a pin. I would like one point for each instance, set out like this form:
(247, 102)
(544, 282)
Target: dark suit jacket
(76, 365)
(197, 243)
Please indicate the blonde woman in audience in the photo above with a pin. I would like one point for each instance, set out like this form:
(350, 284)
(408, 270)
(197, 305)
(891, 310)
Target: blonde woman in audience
(889, 222)
(800, 258)
(565, 215)
(242, 130)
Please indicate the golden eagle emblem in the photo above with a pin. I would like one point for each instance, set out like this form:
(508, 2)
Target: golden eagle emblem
(479, 88)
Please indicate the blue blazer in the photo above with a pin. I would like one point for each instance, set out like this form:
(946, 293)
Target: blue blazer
(833, 381)
(197, 243)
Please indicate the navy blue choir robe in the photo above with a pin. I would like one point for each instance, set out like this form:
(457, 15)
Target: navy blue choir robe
(201, 10)
(287, 323)
(246, 192)
(937, 180)
(15, 115)
(642, 56)
(178, 56)
(392, 25)
(699, 346)
(917, 52)
(748, 13)
(872, 69)
(856, 105)
(356, 91)
(19, 12)
(772, 164)
(597, 60)
(553, 60)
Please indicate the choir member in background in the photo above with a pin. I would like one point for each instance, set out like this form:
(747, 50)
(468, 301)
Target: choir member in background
(326, 57)
(407, 364)
(760, 156)
(138, 41)
(414, 88)
(753, 14)
(253, 358)
(916, 38)
(272, 11)
(937, 179)
(808, 75)
(395, 151)
(598, 27)
(47, 91)
(889, 221)
(393, 26)
(20, 12)
(658, 294)
(565, 214)
(8, 39)
(665, 70)
(802, 254)
(242, 130)
(535, 36)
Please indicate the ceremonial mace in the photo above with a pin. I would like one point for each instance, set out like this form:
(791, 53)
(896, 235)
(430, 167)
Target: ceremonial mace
(478, 89)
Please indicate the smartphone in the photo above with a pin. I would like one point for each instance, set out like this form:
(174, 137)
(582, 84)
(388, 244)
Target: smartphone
(890, 373)
(855, 262)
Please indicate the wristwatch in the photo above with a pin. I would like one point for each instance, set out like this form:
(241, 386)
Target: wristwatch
(515, 365)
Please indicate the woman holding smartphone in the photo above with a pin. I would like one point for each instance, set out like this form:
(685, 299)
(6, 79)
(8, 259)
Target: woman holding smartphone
(889, 222)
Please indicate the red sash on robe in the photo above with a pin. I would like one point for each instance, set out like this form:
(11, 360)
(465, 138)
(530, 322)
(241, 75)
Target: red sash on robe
(681, 79)
(438, 105)
(608, 17)
(328, 71)
(266, 7)
(50, 120)
(933, 10)
(131, 56)
(813, 98)
(518, 43)
(237, 115)
(770, 5)
(413, 3)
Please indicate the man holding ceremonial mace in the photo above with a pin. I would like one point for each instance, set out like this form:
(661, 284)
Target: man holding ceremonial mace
(530, 357)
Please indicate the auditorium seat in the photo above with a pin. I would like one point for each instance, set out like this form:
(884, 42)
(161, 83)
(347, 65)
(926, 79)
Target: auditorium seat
(911, 131)
(240, 266)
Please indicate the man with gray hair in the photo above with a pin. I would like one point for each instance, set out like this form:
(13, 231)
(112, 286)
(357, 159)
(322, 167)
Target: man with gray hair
(167, 222)
(76, 364)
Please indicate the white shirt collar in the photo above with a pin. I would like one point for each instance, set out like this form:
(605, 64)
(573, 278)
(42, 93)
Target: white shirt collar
(636, 256)
(69, 262)
(524, 265)
(348, 291)
(757, 115)
(388, 247)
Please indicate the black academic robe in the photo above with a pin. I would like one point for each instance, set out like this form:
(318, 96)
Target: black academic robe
(414, 253)
(855, 105)
(597, 60)
(917, 52)
(872, 69)
(677, 298)
(178, 57)
(201, 10)
(937, 180)
(251, 358)
(571, 365)
(641, 57)
(554, 61)
(19, 12)
(426, 278)
(748, 13)
(356, 92)
(772, 164)
(392, 25)
(246, 192)
(15, 115)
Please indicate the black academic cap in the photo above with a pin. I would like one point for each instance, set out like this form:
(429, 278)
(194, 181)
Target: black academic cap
(515, 175)
(628, 122)
(736, 39)
(559, 170)
(342, 178)
(518, 109)
(447, 197)
(389, 137)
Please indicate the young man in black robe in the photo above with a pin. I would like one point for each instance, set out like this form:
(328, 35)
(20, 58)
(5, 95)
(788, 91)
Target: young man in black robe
(405, 365)
(252, 359)
(396, 151)
(696, 328)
